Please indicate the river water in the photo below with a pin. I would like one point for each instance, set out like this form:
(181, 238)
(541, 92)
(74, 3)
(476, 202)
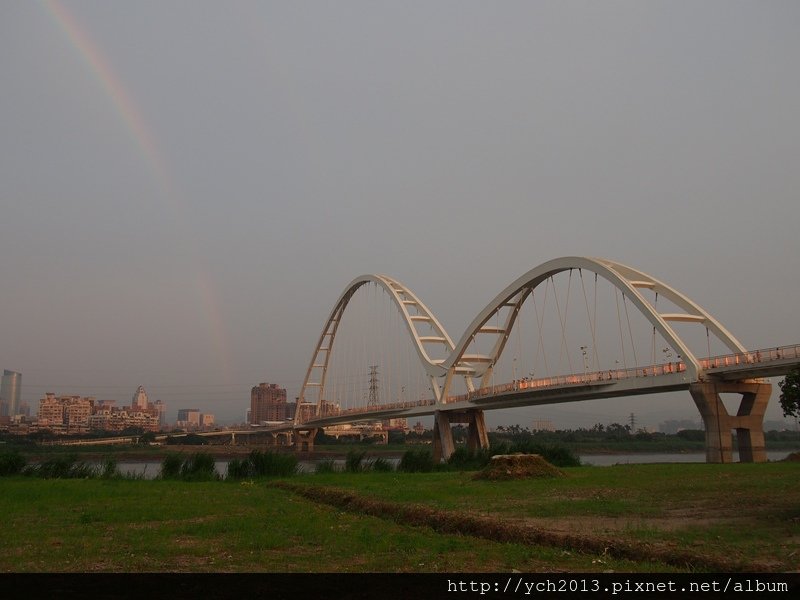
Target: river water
(605, 460)
(150, 470)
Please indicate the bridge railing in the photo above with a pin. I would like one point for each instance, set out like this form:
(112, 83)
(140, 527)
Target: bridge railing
(572, 379)
(714, 362)
(752, 357)
(364, 410)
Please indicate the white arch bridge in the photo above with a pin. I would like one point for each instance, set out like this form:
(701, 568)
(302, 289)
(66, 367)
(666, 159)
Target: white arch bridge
(571, 329)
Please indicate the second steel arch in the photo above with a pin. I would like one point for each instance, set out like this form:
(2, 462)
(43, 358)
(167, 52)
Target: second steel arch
(624, 278)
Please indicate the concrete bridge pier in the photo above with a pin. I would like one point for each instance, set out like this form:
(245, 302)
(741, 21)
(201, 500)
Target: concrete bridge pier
(304, 439)
(443, 445)
(748, 421)
(278, 439)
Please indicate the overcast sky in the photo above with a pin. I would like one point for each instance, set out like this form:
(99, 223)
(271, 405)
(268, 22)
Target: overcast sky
(187, 186)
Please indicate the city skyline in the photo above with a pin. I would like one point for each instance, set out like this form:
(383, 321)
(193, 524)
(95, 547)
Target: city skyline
(186, 191)
(270, 402)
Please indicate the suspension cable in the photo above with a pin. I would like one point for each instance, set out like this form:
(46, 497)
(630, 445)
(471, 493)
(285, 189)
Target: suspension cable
(655, 309)
(589, 317)
(564, 347)
(596, 356)
(518, 351)
(539, 323)
(630, 331)
(619, 322)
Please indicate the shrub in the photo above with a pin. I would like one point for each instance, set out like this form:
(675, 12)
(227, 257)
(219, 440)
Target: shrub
(272, 464)
(61, 467)
(381, 465)
(238, 469)
(694, 435)
(171, 466)
(263, 464)
(416, 461)
(199, 467)
(353, 460)
(11, 463)
(325, 466)
(109, 469)
(560, 456)
(465, 460)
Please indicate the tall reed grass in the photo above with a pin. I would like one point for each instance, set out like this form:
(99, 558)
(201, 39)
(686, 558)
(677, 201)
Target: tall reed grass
(263, 464)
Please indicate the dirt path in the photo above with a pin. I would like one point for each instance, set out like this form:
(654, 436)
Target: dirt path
(503, 530)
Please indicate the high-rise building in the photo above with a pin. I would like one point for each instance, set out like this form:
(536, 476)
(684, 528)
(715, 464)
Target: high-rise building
(306, 411)
(192, 419)
(51, 411)
(161, 410)
(65, 414)
(108, 417)
(189, 417)
(139, 401)
(10, 390)
(77, 411)
(267, 403)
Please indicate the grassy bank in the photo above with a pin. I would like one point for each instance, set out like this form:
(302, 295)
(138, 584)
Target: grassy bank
(681, 516)
(745, 516)
(130, 526)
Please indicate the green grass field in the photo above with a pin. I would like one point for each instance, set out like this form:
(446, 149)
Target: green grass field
(744, 514)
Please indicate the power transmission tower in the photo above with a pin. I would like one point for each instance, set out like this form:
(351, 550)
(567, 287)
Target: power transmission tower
(373, 386)
(633, 422)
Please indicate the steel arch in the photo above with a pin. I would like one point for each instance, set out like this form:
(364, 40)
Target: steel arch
(626, 279)
(403, 298)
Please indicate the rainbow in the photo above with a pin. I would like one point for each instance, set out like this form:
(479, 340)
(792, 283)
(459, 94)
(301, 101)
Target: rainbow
(114, 88)
(136, 125)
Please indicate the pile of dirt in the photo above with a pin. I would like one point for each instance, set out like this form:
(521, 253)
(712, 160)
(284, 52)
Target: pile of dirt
(793, 457)
(518, 466)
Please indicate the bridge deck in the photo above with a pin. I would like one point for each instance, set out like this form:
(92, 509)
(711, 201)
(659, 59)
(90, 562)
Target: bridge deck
(584, 386)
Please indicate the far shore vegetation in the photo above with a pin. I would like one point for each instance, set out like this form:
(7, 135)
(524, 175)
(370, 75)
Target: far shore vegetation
(599, 439)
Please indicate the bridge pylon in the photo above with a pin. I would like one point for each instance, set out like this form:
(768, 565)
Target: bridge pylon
(304, 439)
(748, 421)
(443, 444)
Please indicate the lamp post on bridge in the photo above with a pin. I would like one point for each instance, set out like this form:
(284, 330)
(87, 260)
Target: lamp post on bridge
(667, 355)
(585, 359)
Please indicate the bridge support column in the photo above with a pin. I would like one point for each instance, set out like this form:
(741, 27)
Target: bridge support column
(443, 445)
(477, 438)
(748, 421)
(304, 440)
